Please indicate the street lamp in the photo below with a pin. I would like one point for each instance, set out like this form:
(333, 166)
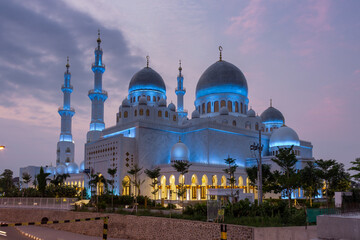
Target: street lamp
(2, 147)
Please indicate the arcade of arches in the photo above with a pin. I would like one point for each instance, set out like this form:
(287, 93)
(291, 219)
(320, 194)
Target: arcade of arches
(196, 190)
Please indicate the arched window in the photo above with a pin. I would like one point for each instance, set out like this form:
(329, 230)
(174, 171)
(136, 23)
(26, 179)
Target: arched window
(159, 114)
(271, 129)
(222, 103)
(267, 129)
(166, 114)
(262, 129)
(148, 98)
(248, 125)
(236, 107)
(223, 181)
(203, 108)
(138, 98)
(126, 185)
(134, 99)
(125, 114)
(234, 123)
(174, 118)
(135, 113)
(214, 180)
(147, 112)
(257, 126)
(141, 112)
(158, 98)
(241, 108)
(230, 106)
(216, 106)
(131, 100)
(208, 110)
(119, 114)
(154, 99)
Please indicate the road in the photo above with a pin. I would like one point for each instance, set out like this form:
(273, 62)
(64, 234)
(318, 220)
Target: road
(11, 233)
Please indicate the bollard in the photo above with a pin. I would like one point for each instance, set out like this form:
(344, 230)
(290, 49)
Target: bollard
(223, 232)
(105, 228)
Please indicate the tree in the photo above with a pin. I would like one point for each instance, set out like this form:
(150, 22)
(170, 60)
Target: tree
(6, 181)
(334, 176)
(356, 168)
(230, 171)
(42, 179)
(181, 167)
(310, 181)
(267, 177)
(26, 177)
(153, 174)
(59, 180)
(287, 178)
(135, 173)
(96, 181)
(112, 172)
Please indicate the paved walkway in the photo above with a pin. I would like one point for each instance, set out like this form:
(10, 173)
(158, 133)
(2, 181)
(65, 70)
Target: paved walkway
(46, 233)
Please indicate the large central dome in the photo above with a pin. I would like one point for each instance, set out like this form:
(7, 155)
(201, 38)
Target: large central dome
(222, 77)
(147, 79)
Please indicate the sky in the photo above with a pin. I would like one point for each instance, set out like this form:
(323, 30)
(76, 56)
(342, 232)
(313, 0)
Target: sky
(304, 55)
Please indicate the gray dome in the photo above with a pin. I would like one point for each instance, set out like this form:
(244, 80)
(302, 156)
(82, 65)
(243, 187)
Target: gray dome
(125, 103)
(272, 115)
(142, 101)
(61, 169)
(222, 77)
(172, 107)
(195, 114)
(224, 111)
(284, 136)
(147, 79)
(162, 103)
(72, 168)
(179, 152)
(251, 113)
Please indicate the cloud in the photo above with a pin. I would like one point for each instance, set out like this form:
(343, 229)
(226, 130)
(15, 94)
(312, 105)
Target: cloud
(248, 25)
(312, 25)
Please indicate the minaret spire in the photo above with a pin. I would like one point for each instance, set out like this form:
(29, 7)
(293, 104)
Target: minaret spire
(180, 92)
(65, 146)
(97, 96)
(220, 49)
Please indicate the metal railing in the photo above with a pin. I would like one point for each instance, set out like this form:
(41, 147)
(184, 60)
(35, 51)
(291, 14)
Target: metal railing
(41, 203)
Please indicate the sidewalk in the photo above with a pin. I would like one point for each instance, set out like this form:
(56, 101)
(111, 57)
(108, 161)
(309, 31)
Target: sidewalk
(45, 233)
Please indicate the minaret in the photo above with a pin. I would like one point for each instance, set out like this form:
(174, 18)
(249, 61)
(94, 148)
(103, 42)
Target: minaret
(65, 146)
(180, 92)
(97, 96)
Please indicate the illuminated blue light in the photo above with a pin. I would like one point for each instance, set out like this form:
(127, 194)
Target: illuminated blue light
(97, 126)
(147, 87)
(228, 88)
(274, 122)
(130, 133)
(98, 69)
(65, 138)
(284, 143)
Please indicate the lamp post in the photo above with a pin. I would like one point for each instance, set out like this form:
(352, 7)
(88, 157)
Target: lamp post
(2, 147)
(258, 147)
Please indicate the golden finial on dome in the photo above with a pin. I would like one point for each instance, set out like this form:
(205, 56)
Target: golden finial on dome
(270, 102)
(179, 139)
(220, 49)
(147, 61)
(99, 39)
(180, 68)
(67, 63)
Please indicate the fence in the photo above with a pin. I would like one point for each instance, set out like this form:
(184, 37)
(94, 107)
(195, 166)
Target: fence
(44, 203)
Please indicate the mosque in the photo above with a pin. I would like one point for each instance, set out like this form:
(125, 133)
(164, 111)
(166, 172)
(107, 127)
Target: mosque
(151, 133)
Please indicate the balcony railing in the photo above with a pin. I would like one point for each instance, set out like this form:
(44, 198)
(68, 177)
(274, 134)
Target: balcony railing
(66, 109)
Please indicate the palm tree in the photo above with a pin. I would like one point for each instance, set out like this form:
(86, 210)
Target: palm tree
(112, 172)
(181, 167)
(310, 180)
(96, 181)
(26, 177)
(232, 166)
(42, 179)
(153, 175)
(135, 172)
(356, 168)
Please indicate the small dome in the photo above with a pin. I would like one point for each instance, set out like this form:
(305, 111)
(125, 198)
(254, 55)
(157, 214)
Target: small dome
(147, 79)
(222, 77)
(224, 111)
(179, 152)
(50, 169)
(142, 101)
(284, 136)
(172, 107)
(272, 115)
(195, 114)
(125, 103)
(251, 113)
(72, 168)
(82, 166)
(162, 102)
(61, 169)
